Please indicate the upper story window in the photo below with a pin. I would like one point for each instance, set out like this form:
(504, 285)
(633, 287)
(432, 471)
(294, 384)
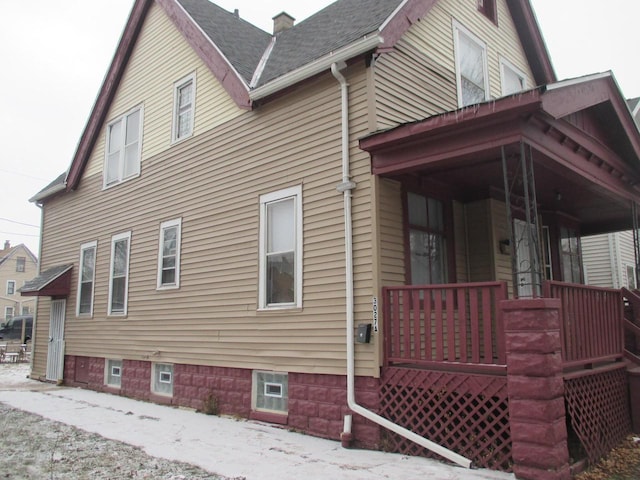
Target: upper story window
(488, 9)
(119, 274)
(169, 254)
(123, 148)
(427, 240)
(11, 287)
(183, 108)
(86, 278)
(21, 264)
(513, 79)
(8, 313)
(471, 67)
(281, 249)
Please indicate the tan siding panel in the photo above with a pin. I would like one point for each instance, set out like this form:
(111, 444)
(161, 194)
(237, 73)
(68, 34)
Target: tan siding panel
(213, 182)
(417, 78)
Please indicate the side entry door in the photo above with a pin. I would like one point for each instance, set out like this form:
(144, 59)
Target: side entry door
(55, 353)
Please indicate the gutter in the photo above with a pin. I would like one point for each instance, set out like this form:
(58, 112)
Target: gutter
(320, 65)
(345, 187)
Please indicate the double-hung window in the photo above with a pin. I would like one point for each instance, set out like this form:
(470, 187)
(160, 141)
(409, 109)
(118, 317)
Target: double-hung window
(20, 264)
(281, 249)
(427, 240)
(169, 254)
(471, 67)
(123, 148)
(86, 278)
(183, 108)
(119, 274)
(11, 287)
(8, 313)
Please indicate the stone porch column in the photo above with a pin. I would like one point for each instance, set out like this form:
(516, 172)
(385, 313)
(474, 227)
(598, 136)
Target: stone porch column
(536, 389)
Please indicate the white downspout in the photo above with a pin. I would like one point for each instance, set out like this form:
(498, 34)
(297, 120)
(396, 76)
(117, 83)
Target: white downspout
(345, 187)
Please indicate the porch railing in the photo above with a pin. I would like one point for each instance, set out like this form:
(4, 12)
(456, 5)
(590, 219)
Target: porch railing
(457, 325)
(591, 323)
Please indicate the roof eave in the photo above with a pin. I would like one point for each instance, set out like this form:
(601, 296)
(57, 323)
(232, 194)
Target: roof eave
(359, 47)
(49, 192)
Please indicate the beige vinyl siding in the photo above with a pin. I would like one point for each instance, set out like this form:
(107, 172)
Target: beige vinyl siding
(500, 229)
(213, 181)
(417, 78)
(392, 266)
(149, 81)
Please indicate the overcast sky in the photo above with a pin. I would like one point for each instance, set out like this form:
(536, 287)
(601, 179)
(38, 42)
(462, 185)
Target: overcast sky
(55, 53)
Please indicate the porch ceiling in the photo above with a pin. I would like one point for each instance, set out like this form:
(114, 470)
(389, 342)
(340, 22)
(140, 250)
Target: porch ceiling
(586, 163)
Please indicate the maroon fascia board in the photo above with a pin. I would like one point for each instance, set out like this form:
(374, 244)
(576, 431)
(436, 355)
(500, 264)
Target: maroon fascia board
(532, 41)
(58, 287)
(410, 13)
(486, 112)
(107, 92)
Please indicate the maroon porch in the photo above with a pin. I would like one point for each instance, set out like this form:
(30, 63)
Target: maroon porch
(493, 347)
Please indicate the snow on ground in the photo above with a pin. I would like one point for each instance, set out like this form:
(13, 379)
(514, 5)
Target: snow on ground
(230, 447)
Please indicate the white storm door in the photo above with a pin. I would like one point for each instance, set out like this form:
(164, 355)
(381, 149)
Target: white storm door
(55, 353)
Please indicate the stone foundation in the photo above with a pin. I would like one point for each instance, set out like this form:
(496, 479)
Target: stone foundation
(317, 403)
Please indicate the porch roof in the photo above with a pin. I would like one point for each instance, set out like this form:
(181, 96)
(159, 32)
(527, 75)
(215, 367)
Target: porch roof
(584, 141)
(53, 282)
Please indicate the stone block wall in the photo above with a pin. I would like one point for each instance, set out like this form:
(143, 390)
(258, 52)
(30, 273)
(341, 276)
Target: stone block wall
(317, 403)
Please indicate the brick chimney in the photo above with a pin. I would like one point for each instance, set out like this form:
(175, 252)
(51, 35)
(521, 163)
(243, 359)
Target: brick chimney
(282, 21)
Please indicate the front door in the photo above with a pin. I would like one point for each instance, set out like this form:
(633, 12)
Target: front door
(55, 353)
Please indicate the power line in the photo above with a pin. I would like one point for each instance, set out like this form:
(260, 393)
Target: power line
(19, 234)
(20, 223)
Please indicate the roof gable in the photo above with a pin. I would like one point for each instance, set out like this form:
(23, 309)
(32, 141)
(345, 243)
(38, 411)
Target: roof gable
(236, 51)
(15, 251)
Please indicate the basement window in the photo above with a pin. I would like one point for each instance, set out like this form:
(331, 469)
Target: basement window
(113, 374)
(162, 379)
(270, 392)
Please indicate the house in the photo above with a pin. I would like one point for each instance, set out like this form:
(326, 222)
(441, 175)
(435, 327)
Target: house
(363, 226)
(17, 265)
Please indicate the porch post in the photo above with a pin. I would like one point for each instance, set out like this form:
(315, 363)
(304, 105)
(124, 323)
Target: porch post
(636, 241)
(536, 389)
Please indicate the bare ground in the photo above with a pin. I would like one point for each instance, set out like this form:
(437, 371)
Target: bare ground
(32, 447)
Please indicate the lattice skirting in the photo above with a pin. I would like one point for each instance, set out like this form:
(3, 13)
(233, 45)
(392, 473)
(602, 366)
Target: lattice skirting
(466, 413)
(598, 407)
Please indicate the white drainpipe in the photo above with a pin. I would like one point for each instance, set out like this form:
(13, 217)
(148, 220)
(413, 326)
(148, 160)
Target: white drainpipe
(345, 187)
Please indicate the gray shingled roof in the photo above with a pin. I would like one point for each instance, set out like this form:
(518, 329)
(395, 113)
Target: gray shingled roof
(241, 42)
(336, 26)
(45, 278)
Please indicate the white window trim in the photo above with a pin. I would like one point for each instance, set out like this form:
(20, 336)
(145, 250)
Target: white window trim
(295, 192)
(106, 148)
(164, 225)
(174, 127)
(458, 29)
(6, 311)
(506, 64)
(114, 239)
(83, 247)
(14, 287)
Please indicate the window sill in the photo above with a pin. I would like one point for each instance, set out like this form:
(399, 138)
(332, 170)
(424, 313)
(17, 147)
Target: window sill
(168, 287)
(278, 310)
(270, 417)
(124, 180)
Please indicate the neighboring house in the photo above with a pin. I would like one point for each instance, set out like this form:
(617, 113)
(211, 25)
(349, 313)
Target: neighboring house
(17, 265)
(609, 260)
(320, 227)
